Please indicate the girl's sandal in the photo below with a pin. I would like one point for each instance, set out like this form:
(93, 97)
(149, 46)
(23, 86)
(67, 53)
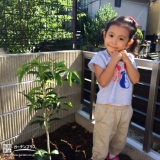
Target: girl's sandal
(115, 158)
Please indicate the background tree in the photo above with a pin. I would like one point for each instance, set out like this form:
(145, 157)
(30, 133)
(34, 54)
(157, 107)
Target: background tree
(93, 26)
(26, 23)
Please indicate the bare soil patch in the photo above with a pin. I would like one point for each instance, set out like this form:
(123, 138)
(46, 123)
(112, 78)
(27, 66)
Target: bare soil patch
(72, 141)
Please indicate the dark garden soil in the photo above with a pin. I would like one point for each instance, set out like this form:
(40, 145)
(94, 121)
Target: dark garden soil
(72, 141)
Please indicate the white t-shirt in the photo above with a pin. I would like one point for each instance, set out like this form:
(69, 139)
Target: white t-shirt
(119, 89)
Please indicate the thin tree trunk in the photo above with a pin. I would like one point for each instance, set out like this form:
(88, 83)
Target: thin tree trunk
(48, 142)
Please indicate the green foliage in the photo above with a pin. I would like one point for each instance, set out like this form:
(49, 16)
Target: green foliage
(140, 35)
(45, 97)
(93, 27)
(44, 155)
(26, 23)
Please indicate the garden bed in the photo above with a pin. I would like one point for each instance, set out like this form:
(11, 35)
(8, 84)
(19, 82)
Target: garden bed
(72, 141)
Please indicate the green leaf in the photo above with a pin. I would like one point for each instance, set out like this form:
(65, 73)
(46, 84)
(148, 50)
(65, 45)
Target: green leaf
(37, 80)
(58, 79)
(54, 119)
(37, 88)
(76, 77)
(45, 68)
(38, 93)
(54, 106)
(40, 100)
(59, 64)
(41, 123)
(55, 152)
(35, 61)
(54, 74)
(33, 72)
(58, 104)
(46, 63)
(52, 92)
(69, 104)
(29, 96)
(61, 70)
(46, 157)
(52, 96)
(50, 81)
(36, 121)
(48, 74)
(41, 152)
(69, 78)
(51, 115)
(30, 108)
(49, 88)
(21, 72)
(38, 157)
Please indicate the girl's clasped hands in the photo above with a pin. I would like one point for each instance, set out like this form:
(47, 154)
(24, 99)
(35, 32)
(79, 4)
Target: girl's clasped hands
(119, 55)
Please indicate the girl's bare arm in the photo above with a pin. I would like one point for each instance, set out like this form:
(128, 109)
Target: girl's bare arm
(132, 72)
(104, 75)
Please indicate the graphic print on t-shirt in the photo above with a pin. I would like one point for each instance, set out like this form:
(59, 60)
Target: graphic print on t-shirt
(121, 77)
(117, 74)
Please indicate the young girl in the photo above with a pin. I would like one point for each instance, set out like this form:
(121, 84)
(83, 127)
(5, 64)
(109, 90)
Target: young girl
(115, 71)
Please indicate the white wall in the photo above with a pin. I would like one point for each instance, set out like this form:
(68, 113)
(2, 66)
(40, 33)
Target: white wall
(154, 19)
(139, 11)
(93, 8)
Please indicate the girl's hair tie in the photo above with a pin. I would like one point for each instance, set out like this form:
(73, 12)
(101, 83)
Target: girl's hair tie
(133, 20)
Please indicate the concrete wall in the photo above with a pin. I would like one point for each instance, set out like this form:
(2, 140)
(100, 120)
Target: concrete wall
(14, 115)
(154, 19)
(137, 10)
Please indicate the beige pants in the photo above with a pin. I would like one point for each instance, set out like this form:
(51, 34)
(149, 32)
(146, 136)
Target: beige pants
(110, 130)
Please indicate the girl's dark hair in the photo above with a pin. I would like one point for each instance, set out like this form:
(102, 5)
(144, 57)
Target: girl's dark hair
(131, 25)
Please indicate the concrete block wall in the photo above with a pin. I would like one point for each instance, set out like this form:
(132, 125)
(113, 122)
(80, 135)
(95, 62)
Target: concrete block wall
(14, 114)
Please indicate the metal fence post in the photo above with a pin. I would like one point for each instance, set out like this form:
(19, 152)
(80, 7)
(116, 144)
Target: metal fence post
(92, 98)
(74, 21)
(82, 86)
(151, 106)
(91, 105)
